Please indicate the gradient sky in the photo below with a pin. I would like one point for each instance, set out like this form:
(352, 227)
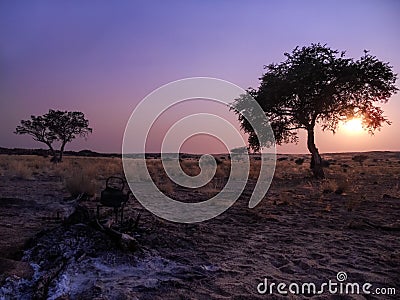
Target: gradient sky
(103, 57)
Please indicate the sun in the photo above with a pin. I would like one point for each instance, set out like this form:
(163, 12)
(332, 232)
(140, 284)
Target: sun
(353, 125)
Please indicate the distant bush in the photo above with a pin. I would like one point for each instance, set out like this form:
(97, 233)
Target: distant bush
(326, 163)
(299, 161)
(342, 186)
(335, 186)
(360, 159)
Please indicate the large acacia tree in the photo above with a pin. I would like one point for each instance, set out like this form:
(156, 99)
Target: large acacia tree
(56, 125)
(318, 85)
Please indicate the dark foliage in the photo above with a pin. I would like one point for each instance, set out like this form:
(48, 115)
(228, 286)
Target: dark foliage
(318, 85)
(56, 125)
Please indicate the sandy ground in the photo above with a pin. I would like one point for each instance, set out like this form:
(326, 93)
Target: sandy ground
(301, 232)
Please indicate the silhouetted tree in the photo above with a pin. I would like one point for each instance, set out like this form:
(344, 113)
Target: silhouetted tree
(56, 125)
(318, 85)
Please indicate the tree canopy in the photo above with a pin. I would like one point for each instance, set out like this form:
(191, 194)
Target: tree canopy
(56, 125)
(319, 85)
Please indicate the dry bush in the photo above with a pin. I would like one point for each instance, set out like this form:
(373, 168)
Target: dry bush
(342, 186)
(36, 163)
(87, 174)
(337, 186)
(360, 158)
(167, 187)
(107, 167)
(80, 182)
(286, 169)
(190, 167)
(354, 201)
(210, 189)
(131, 166)
(155, 169)
(223, 170)
(299, 161)
(98, 167)
(160, 179)
(328, 208)
(328, 186)
(255, 167)
(285, 197)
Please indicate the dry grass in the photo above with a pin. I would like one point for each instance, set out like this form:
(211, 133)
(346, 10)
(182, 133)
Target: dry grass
(80, 182)
(190, 167)
(288, 169)
(354, 201)
(79, 174)
(21, 170)
(87, 174)
(337, 186)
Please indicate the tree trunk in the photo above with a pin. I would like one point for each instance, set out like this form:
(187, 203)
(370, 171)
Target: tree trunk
(62, 151)
(316, 160)
(53, 153)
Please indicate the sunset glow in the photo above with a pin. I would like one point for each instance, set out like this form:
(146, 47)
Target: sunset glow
(103, 58)
(353, 125)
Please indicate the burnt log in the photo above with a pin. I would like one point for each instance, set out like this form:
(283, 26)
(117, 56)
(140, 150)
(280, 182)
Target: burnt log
(124, 241)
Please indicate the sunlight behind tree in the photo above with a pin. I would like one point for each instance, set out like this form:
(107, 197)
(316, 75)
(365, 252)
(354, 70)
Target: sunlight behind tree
(353, 125)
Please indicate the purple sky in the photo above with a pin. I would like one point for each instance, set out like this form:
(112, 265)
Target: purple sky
(103, 57)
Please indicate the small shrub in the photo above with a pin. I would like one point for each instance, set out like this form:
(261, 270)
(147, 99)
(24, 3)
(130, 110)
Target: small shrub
(80, 183)
(328, 186)
(360, 159)
(282, 158)
(167, 187)
(326, 163)
(337, 186)
(342, 186)
(354, 202)
(222, 171)
(210, 189)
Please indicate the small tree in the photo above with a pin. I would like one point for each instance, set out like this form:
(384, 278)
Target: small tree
(56, 125)
(318, 85)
